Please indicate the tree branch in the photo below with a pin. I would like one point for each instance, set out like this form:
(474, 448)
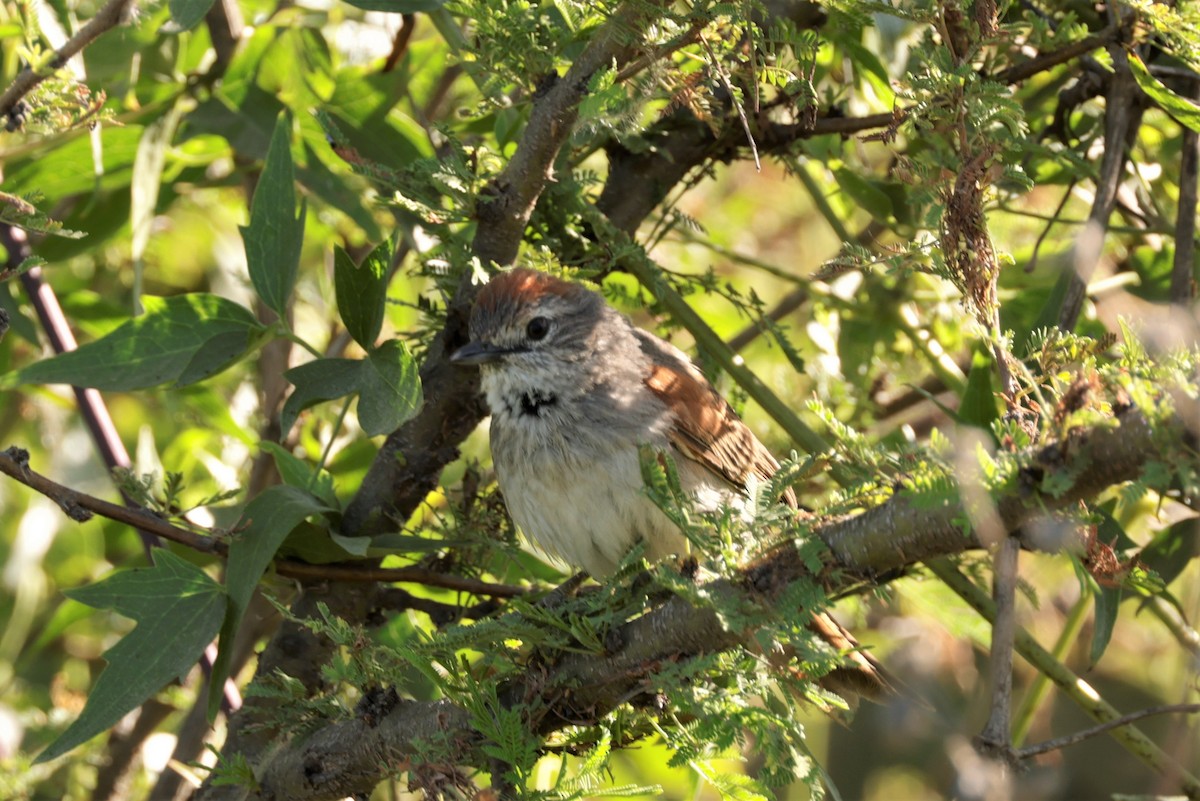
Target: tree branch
(1071, 685)
(80, 507)
(352, 756)
(1122, 115)
(410, 461)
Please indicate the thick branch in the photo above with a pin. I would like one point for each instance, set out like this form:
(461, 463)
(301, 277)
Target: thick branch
(411, 459)
(350, 757)
(1122, 116)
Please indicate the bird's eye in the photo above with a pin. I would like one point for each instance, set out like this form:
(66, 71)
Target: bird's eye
(538, 328)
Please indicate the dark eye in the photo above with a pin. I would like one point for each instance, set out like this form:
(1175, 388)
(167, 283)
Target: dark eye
(538, 328)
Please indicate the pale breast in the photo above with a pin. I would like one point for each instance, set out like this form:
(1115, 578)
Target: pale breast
(589, 514)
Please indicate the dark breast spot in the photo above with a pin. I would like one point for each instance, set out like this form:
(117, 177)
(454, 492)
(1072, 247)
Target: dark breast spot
(532, 403)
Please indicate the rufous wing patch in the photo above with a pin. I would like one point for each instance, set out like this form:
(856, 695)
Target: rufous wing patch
(707, 430)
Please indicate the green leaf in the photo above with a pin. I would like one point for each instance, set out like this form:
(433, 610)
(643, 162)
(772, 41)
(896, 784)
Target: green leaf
(387, 382)
(978, 404)
(178, 610)
(318, 545)
(188, 13)
(390, 392)
(274, 237)
(865, 193)
(70, 169)
(398, 6)
(1185, 112)
(264, 525)
(317, 381)
(362, 292)
(1171, 550)
(1107, 600)
(181, 339)
(298, 473)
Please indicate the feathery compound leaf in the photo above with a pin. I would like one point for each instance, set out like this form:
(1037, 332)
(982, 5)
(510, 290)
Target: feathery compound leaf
(178, 610)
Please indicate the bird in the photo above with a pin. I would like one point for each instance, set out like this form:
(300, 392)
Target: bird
(576, 391)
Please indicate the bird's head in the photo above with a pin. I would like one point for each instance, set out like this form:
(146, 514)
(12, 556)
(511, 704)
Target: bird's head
(532, 332)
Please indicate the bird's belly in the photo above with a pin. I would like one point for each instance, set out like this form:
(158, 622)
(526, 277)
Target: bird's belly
(589, 514)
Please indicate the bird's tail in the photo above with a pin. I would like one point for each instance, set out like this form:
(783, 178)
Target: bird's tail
(862, 674)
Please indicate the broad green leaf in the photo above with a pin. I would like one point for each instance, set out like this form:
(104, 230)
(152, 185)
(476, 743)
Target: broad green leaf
(188, 13)
(362, 292)
(865, 193)
(178, 610)
(70, 169)
(1048, 316)
(1172, 549)
(181, 337)
(390, 392)
(318, 545)
(217, 353)
(869, 66)
(398, 6)
(317, 381)
(248, 129)
(1183, 110)
(298, 473)
(978, 404)
(264, 525)
(1109, 533)
(274, 236)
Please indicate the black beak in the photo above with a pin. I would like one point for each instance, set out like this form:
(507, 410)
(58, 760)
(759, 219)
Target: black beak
(480, 353)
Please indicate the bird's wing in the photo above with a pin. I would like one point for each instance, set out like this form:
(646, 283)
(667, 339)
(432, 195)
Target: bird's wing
(705, 428)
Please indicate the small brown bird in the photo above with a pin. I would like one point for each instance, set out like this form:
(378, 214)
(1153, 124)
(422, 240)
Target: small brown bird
(575, 389)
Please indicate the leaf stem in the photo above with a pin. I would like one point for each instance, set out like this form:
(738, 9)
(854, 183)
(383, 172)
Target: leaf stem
(337, 426)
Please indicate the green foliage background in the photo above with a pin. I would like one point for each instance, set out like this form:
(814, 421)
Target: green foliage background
(276, 232)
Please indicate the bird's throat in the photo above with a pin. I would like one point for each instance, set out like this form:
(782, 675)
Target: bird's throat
(533, 403)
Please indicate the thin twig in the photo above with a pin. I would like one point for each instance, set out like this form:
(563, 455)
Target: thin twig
(1124, 720)
(400, 42)
(412, 575)
(111, 15)
(690, 36)
(225, 28)
(80, 506)
(737, 104)
(1045, 61)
